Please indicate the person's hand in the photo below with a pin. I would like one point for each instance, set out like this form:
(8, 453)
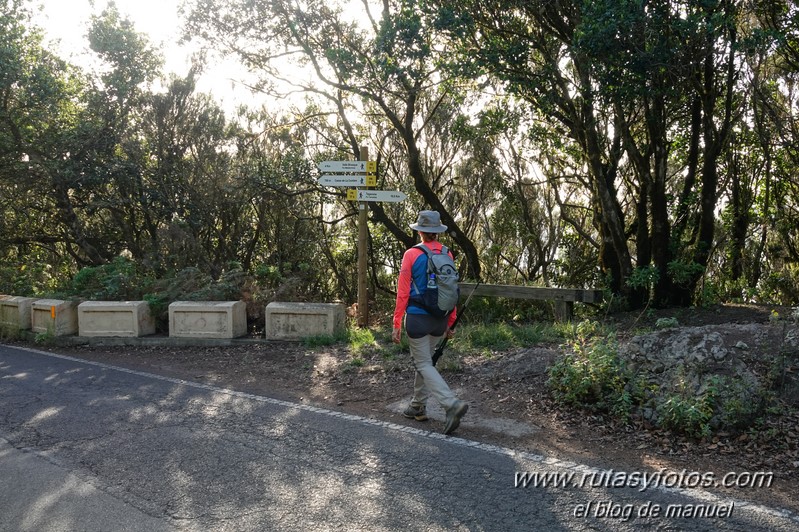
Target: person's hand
(396, 335)
(450, 332)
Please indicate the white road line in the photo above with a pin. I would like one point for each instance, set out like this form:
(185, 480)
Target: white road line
(504, 451)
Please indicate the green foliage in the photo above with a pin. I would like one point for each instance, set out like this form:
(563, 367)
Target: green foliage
(495, 337)
(709, 293)
(360, 339)
(691, 412)
(119, 280)
(684, 273)
(159, 308)
(486, 338)
(721, 403)
(667, 323)
(95, 163)
(593, 376)
(29, 279)
(688, 415)
(192, 284)
(781, 286)
(645, 277)
(496, 310)
(739, 403)
(46, 337)
(268, 274)
(129, 53)
(320, 340)
(578, 333)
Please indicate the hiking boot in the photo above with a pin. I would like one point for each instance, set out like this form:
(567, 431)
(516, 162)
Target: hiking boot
(419, 413)
(454, 415)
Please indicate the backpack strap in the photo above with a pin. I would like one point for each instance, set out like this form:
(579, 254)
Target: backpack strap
(426, 251)
(429, 253)
(430, 266)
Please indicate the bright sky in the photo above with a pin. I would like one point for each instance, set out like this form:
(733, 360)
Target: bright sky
(66, 24)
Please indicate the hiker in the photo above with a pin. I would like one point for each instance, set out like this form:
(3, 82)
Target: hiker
(423, 327)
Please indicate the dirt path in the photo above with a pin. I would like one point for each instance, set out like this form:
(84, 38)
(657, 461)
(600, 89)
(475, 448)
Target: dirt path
(509, 402)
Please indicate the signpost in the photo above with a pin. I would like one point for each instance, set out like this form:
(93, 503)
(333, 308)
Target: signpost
(334, 180)
(376, 195)
(362, 167)
(359, 174)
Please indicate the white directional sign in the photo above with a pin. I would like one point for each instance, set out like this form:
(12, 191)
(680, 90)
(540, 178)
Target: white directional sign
(340, 180)
(376, 195)
(348, 166)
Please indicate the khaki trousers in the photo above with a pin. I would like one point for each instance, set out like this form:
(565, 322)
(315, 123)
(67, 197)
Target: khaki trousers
(428, 382)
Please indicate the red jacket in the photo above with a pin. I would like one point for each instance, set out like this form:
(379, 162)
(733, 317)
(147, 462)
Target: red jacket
(414, 267)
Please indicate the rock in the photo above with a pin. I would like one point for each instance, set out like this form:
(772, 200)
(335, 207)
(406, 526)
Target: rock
(695, 361)
(792, 337)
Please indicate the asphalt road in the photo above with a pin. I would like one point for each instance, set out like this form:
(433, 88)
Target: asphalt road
(86, 446)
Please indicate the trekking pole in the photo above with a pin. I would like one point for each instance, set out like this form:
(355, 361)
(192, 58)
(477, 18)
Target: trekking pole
(443, 343)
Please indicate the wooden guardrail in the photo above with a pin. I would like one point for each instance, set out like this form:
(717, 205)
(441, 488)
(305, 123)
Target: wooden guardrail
(563, 298)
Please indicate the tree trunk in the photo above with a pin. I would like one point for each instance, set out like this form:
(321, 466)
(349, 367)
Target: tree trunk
(431, 198)
(714, 138)
(603, 188)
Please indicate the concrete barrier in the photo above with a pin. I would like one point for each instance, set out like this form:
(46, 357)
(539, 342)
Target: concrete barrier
(115, 319)
(15, 313)
(292, 321)
(54, 316)
(208, 319)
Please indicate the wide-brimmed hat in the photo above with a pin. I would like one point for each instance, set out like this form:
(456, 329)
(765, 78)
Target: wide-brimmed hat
(429, 222)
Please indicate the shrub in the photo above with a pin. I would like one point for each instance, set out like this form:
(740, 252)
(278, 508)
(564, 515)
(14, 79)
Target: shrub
(593, 376)
(118, 280)
(686, 411)
(688, 415)
(27, 280)
(722, 403)
(666, 323)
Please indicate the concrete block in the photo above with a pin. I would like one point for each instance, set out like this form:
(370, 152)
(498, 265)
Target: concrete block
(207, 319)
(54, 316)
(115, 319)
(292, 321)
(15, 313)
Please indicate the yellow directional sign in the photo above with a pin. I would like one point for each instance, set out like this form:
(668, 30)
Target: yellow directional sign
(376, 195)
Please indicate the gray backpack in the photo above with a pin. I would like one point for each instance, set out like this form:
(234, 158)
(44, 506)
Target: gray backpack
(441, 293)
